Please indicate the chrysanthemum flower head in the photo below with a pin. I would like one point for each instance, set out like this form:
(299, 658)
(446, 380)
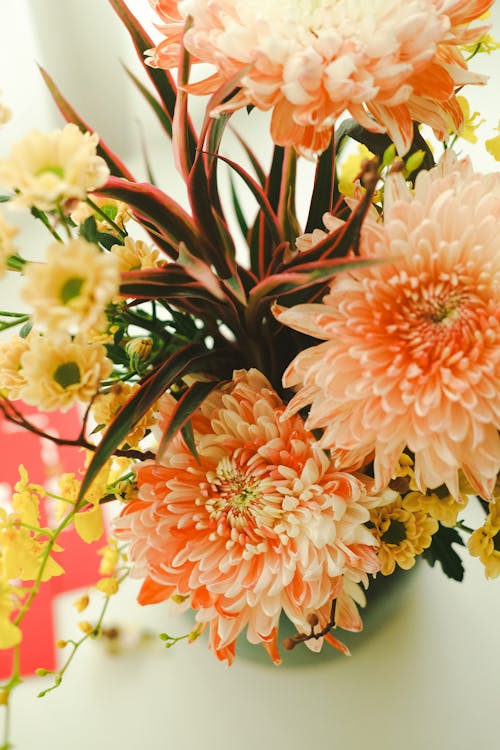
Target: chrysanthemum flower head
(387, 63)
(72, 288)
(260, 523)
(61, 370)
(45, 169)
(411, 347)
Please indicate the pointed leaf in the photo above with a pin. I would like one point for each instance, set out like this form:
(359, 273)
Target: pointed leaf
(183, 411)
(441, 551)
(322, 196)
(157, 107)
(151, 203)
(70, 115)
(190, 357)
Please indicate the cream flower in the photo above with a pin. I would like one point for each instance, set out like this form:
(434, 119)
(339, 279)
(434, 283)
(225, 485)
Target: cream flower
(107, 405)
(387, 63)
(117, 211)
(411, 351)
(12, 378)
(7, 248)
(71, 290)
(45, 169)
(60, 370)
(136, 254)
(259, 523)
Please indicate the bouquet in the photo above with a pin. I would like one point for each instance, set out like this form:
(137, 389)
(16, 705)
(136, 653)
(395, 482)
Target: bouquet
(274, 409)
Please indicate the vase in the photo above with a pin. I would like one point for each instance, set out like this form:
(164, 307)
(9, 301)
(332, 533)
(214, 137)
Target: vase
(384, 597)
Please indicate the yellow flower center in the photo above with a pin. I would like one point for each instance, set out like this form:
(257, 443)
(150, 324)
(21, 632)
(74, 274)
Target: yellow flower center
(395, 532)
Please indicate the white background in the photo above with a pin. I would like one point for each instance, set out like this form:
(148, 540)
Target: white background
(426, 674)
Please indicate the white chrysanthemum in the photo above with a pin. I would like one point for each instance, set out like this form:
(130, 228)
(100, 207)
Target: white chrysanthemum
(45, 169)
(61, 370)
(71, 290)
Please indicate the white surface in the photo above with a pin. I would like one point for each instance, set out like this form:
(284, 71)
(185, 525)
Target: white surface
(427, 678)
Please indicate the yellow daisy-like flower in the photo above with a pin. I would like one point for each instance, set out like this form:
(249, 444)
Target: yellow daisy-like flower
(117, 211)
(12, 378)
(7, 248)
(60, 371)
(45, 169)
(107, 405)
(438, 504)
(485, 542)
(471, 123)
(136, 254)
(71, 290)
(401, 534)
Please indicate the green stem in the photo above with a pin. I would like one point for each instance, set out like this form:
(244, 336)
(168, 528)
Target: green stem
(120, 232)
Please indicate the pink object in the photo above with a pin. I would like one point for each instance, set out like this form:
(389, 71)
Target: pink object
(79, 559)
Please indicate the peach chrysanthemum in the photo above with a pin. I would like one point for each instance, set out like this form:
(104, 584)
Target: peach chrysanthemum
(386, 62)
(411, 351)
(261, 523)
(71, 290)
(45, 169)
(61, 370)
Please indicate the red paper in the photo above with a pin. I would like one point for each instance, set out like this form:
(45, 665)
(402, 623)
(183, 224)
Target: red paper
(44, 460)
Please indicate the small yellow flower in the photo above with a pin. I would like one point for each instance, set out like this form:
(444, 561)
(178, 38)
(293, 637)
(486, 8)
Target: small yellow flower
(71, 290)
(69, 487)
(486, 44)
(471, 124)
(117, 211)
(438, 504)
(61, 370)
(108, 586)
(45, 169)
(10, 634)
(401, 534)
(110, 558)
(82, 603)
(136, 254)
(493, 144)
(26, 499)
(351, 169)
(485, 542)
(86, 627)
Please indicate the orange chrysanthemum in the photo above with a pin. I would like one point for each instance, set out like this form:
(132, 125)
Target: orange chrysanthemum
(411, 352)
(311, 60)
(260, 524)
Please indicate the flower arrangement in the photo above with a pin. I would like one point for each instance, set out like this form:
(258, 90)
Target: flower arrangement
(273, 411)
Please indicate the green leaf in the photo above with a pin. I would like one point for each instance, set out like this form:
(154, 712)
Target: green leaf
(70, 115)
(181, 414)
(157, 107)
(189, 358)
(441, 551)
